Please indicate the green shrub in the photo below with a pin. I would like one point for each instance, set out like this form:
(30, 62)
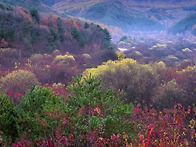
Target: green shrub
(9, 7)
(41, 112)
(107, 44)
(7, 118)
(35, 14)
(18, 81)
(86, 25)
(54, 34)
(93, 110)
(75, 34)
(2, 7)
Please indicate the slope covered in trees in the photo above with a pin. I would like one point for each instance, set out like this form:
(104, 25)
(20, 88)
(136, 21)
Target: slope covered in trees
(50, 46)
(33, 32)
(127, 15)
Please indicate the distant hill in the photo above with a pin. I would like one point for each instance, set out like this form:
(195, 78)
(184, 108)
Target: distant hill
(110, 13)
(51, 2)
(38, 4)
(130, 15)
(186, 24)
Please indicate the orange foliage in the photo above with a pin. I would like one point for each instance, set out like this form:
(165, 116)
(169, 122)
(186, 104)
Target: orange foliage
(3, 43)
(25, 15)
(77, 24)
(42, 122)
(69, 23)
(44, 21)
(96, 46)
(53, 20)
(82, 109)
(54, 16)
(44, 27)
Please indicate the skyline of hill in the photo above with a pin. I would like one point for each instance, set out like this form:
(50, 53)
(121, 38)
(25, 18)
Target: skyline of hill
(127, 15)
(142, 15)
(186, 24)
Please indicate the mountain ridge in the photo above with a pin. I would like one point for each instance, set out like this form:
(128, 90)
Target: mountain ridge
(38, 4)
(128, 15)
(142, 15)
(170, 3)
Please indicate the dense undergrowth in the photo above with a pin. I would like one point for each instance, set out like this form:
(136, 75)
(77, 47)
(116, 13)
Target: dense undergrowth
(93, 113)
(83, 115)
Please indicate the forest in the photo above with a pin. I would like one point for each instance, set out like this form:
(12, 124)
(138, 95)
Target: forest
(63, 82)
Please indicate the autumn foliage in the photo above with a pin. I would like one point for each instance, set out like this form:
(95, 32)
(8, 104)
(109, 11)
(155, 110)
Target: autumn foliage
(144, 97)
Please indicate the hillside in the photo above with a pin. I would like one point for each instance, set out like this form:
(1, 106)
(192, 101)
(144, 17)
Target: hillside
(54, 48)
(88, 3)
(29, 4)
(186, 24)
(111, 13)
(34, 32)
(129, 15)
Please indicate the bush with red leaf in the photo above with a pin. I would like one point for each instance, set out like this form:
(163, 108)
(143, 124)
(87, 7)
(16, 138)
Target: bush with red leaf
(172, 127)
